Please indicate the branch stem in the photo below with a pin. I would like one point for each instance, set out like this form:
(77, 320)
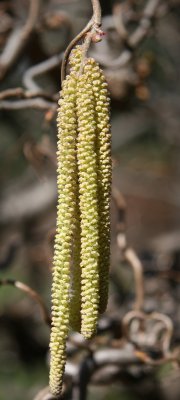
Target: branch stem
(92, 27)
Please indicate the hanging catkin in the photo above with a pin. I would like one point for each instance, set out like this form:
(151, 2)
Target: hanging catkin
(66, 222)
(82, 243)
(104, 166)
(104, 171)
(88, 197)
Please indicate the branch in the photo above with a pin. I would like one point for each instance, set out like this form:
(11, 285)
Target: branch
(44, 394)
(37, 103)
(137, 267)
(31, 293)
(18, 39)
(34, 91)
(128, 253)
(145, 23)
(24, 94)
(96, 12)
(92, 27)
(135, 38)
(70, 47)
(166, 327)
(39, 69)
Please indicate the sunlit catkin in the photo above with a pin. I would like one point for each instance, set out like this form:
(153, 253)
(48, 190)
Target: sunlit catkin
(88, 192)
(104, 168)
(82, 241)
(75, 59)
(66, 222)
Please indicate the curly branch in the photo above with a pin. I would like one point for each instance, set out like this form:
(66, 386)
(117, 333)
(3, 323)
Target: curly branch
(18, 39)
(128, 253)
(92, 26)
(31, 293)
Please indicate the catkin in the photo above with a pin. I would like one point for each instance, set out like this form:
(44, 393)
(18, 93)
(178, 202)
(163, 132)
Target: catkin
(82, 242)
(104, 165)
(104, 170)
(66, 222)
(87, 170)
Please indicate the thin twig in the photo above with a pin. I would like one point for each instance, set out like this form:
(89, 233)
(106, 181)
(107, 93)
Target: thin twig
(70, 47)
(18, 39)
(12, 92)
(44, 394)
(31, 293)
(145, 23)
(168, 329)
(118, 21)
(133, 260)
(37, 103)
(33, 90)
(96, 12)
(39, 69)
(25, 94)
(92, 26)
(134, 39)
(128, 253)
(155, 317)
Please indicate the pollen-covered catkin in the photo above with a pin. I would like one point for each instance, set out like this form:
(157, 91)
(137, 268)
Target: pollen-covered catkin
(82, 242)
(75, 59)
(104, 168)
(87, 170)
(66, 222)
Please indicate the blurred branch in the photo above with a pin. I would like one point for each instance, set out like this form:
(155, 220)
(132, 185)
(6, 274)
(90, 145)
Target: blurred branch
(134, 261)
(44, 394)
(85, 371)
(128, 253)
(14, 92)
(144, 336)
(39, 98)
(118, 21)
(39, 69)
(20, 92)
(18, 38)
(134, 39)
(38, 103)
(31, 293)
(145, 23)
(35, 96)
(125, 356)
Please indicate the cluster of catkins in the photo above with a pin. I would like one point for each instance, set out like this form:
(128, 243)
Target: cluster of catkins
(82, 242)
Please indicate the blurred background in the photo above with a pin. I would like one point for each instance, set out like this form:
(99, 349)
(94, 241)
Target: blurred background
(140, 58)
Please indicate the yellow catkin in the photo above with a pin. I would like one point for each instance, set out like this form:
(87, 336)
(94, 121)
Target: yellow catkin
(75, 59)
(87, 169)
(104, 168)
(66, 222)
(104, 165)
(82, 243)
(75, 302)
